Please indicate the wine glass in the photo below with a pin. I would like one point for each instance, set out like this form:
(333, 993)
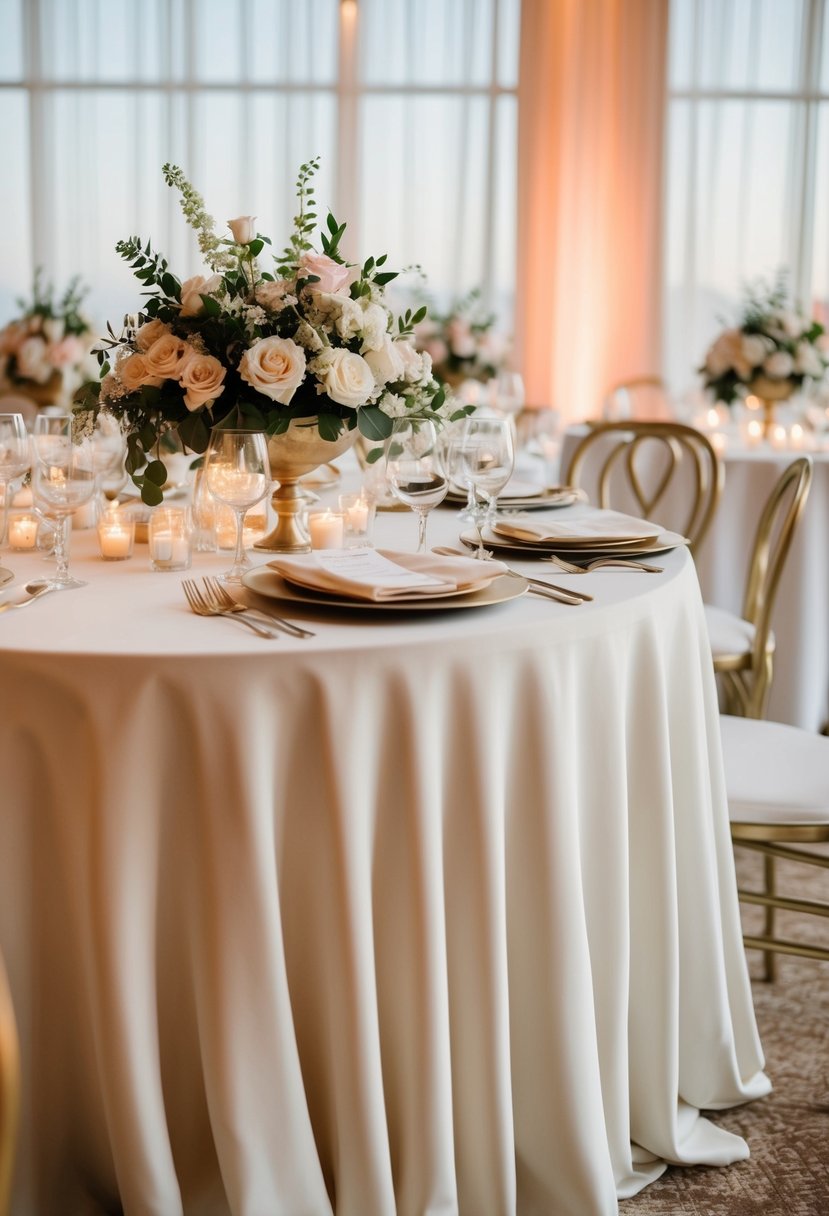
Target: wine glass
(237, 472)
(14, 458)
(456, 471)
(507, 392)
(414, 469)
(63, 479)
(109, 452)
(488, 454)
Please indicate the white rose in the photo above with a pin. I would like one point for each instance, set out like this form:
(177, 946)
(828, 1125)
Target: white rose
(243, 229)
(192, 291)
(386, 363)
(53, 329)
(413, 362)
(349, 380)
(792, 324)
(32, 363)
(374, 326)
(807, 361)
(754, 349)
(779, 365)
(275, 367)
(349, 322)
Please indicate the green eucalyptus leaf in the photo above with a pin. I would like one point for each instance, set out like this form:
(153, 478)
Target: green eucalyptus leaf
(151, 494)
(156, 471)
(329, 426)
(373, 423)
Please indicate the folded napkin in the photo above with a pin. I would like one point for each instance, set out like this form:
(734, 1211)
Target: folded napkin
(374, 574)
(600, 527)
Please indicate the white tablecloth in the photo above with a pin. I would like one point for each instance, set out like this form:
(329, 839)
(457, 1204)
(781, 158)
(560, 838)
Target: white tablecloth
(800, 689)
(430, 914)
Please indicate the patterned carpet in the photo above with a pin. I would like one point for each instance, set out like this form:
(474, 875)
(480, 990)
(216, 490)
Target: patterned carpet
(787, 1132)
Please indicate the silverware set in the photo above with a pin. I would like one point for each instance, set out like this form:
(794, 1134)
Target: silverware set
(213, 599)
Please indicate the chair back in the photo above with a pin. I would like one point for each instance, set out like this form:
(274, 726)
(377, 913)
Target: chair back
(643, 460)
(643, 397)
(9, 1091)
(772, 543)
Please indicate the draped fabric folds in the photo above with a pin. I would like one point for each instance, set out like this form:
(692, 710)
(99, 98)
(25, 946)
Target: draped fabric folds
(590, 151)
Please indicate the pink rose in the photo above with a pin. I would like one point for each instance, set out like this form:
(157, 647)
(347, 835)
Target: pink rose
(333, 278)
(202, 379)
(66, 352)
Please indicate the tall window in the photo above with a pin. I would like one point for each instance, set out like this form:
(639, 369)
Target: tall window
(411, 104)
(748, 162)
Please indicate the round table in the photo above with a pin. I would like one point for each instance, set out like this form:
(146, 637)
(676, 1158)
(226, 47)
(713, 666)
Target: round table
(800, 688)
(433, 912)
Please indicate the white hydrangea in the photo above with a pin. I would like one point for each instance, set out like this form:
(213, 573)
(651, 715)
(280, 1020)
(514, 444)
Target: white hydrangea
(394, 405)
(374, 326)
(308, 337)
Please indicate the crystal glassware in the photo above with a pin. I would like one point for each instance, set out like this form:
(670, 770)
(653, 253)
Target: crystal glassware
(63, 479)
(488, 455)
(414, 469)
(14, 458)
(237, 472)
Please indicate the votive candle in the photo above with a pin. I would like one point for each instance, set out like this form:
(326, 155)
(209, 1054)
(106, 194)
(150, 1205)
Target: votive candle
(23, 531)
(326, 529)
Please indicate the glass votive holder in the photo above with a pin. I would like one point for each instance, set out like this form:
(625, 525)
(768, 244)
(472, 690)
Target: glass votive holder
(22, 533)
(326, 529)
(204, 516)
(225, 526)
(358, 512)
(170, 538)
(116, 534)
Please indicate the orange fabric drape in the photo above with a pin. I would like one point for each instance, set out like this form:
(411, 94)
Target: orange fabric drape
(590, 152)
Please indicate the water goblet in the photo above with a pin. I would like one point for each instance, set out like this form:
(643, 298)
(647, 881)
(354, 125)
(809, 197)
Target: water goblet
(14, 458)
(414, 469)
(237, 472)
(507, 392)
(488, 454)
(63, 479)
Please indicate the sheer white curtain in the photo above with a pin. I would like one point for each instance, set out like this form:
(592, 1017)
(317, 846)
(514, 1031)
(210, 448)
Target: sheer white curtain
(748, 163)
(410, 105)
(592, 97)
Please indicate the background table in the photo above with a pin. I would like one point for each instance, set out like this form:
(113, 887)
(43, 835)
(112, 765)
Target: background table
(800, 689)
(432, 913)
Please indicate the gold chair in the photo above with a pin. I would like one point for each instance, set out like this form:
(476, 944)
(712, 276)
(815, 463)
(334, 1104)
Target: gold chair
(777, 780)
(641, 459)
(9, 1090)
(743, 647)
(643, 397)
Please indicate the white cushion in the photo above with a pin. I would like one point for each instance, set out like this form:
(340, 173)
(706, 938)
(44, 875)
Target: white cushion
(729, 634)
(775, 773)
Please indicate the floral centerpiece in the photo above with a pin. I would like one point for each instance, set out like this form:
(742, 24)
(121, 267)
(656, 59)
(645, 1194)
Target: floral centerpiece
(463, 343)
(309, 342)
(770, 353)
(45, 352)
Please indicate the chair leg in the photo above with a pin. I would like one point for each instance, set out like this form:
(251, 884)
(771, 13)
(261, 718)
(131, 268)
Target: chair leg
(769, 956)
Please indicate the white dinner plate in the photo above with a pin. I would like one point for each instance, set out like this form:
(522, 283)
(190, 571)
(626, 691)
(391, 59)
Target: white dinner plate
(273, 586)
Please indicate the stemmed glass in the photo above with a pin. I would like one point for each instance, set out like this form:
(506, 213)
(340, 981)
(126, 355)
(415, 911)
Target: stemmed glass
(14, 458)
(63, 479)
(507, 392)
(414, 469)
(457, 472)
(488, 455)
(237, 473)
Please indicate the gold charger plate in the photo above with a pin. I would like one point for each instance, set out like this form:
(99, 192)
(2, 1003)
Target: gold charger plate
(273, 586)
(548, 499)
(664, 543)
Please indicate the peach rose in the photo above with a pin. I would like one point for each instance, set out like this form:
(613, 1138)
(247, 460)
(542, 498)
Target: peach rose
(275, 367)
(150, 332)
(333, 278)
(271, 294)
(202, 379)
(66, 352)
(192, 291)
(134, 373)
(243, 229)
(348, 379)
(167, 355)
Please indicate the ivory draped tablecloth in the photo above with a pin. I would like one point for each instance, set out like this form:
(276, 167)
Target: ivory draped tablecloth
(433, 913)
(800, 688)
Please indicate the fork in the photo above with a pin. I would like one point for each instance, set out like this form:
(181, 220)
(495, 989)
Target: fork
(202, 607)
(623, 563)
(220, 595)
